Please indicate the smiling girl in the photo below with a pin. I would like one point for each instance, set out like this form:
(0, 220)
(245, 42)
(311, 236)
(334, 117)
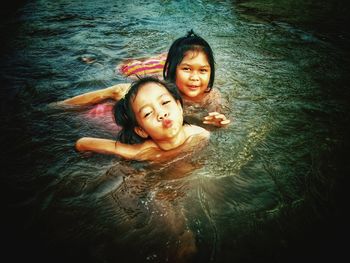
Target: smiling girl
(190, 65)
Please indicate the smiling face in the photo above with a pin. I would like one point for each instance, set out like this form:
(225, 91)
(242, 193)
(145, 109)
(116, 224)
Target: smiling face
(157, 113)
(193, 75)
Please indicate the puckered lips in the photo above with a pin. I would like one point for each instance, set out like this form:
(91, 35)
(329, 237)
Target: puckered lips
(167, 123)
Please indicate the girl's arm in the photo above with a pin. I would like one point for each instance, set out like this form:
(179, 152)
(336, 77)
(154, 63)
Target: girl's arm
(145, 151)
(115, 92)
(106, 146)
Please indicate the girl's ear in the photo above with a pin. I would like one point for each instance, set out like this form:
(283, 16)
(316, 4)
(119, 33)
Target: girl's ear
(141, 132)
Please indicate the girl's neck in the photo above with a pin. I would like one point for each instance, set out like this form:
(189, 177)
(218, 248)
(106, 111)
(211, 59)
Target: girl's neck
(174, 142)
(199, 98)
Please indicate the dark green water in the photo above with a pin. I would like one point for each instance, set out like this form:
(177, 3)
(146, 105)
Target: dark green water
(271, 187)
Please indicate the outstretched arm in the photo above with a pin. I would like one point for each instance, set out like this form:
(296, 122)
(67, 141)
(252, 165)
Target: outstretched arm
(115, 92)
(145, 151)
(106, 146)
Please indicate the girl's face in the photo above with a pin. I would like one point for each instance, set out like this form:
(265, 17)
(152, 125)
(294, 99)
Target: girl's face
(158, 114)
(193, 74)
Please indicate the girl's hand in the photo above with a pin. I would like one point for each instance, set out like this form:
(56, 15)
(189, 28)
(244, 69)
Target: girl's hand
(118, 91)
(216, 119)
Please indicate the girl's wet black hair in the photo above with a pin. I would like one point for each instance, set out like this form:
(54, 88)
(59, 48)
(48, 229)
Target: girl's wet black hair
(177, 51)
(124, 115)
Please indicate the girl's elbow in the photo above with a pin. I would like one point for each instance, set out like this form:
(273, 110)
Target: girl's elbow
(80, 144)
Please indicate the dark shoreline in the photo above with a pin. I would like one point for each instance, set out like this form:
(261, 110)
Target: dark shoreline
(327, 19)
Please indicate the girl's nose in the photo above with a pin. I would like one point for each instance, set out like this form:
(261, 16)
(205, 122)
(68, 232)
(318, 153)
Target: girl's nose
(194, 76)
(162, 115)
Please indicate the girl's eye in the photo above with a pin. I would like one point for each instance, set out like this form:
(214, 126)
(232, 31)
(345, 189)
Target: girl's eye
(147, 114)
(186, 68)
(204, 70)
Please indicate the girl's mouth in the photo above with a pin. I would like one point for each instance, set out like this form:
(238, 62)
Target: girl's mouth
(167, 123)
(193, 87)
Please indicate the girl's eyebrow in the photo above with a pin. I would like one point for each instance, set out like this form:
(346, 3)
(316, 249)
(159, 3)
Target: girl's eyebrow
(203, 66)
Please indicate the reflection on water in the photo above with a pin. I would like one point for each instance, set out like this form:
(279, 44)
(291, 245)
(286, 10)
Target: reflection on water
(263, 187)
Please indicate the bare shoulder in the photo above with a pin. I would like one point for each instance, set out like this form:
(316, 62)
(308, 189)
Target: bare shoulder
(215, 93)
(147, 150)
(148, 144)
(214, 100)
(194, 130)
(150, 151)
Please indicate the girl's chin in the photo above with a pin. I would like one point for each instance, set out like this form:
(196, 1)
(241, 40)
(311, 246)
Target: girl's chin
(173, 131)
(192, 94)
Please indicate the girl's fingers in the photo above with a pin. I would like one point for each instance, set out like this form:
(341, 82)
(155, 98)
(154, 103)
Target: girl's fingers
(220, 116)
(217, 119)
(225, 122)
(222, 123)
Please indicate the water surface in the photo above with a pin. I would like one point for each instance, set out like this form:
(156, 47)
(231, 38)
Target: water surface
(263, 189)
